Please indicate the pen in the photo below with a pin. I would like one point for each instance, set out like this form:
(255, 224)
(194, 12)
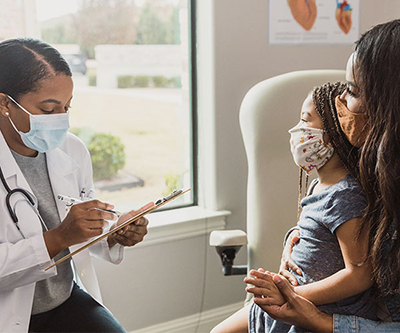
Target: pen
(82, 194)
(69, 201)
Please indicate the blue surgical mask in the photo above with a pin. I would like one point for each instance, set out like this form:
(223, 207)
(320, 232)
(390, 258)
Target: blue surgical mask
(47, 131)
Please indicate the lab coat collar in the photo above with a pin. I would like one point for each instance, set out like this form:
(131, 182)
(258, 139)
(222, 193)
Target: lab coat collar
(58, 163)
(9, 166)
(61, 168)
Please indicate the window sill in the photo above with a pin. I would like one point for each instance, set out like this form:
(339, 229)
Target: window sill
(182, 223)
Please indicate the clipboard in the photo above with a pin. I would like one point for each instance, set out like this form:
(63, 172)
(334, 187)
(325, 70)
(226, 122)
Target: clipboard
(146, 209)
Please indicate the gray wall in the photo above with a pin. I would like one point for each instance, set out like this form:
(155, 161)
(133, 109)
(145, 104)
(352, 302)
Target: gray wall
(164, 282)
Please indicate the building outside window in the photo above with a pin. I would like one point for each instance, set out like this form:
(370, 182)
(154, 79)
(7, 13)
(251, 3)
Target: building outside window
(132, 104)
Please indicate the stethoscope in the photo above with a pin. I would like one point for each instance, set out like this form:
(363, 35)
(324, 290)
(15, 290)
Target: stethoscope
(28, 197)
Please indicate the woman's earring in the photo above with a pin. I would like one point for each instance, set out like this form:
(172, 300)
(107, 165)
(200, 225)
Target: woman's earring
(7, 114)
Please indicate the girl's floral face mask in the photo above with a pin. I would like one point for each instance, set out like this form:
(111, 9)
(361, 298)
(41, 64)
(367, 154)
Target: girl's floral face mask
(308, 148)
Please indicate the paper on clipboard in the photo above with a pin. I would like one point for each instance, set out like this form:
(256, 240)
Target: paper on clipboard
(146, 209)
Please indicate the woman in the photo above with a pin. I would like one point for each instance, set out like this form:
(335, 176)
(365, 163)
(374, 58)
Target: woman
(373, 81)
(38, 161)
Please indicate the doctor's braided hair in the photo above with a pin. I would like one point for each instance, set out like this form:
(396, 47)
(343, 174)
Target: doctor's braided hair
(24, 62)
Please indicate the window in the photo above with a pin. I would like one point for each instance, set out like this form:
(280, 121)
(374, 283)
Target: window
(132, 105)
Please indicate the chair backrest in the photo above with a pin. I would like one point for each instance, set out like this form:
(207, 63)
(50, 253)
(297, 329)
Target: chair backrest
(268, 110)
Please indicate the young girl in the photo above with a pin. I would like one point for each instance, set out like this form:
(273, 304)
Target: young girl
(335, 271)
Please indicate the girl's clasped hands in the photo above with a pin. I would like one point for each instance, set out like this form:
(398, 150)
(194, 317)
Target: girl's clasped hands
(265, 291)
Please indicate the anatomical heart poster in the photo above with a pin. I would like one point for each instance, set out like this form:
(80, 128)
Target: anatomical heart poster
(314, 21)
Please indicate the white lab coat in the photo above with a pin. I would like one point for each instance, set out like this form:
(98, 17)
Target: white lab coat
(22, 261)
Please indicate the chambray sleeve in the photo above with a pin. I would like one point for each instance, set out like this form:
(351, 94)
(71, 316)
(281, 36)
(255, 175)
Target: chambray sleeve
(353, 324)
(344, 205)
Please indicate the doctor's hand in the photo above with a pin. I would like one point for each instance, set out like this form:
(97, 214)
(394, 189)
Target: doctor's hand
(131, 234)
(83, 222)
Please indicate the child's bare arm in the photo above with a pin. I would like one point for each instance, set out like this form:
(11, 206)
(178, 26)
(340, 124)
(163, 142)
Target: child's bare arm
(355, 278)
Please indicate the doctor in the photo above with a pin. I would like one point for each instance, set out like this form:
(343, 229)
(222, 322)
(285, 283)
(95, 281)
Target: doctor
(38, 160)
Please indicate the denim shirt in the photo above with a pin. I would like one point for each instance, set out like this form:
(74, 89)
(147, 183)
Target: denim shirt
(353, 324)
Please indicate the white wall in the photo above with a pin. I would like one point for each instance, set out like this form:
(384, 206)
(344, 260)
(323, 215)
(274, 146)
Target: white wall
(164, 282)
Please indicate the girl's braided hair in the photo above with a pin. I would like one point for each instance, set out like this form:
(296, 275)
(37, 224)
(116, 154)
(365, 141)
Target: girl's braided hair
(324, 102)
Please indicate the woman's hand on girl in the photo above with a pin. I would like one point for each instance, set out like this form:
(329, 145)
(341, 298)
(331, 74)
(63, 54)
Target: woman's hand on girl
(297, 310)
(286, 260)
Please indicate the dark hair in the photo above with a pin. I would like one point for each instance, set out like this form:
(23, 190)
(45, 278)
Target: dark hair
(24, 62)
(324, 102)
(377, 75)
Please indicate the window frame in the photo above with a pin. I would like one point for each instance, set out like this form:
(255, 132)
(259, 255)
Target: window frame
(193, 99)
(193, 105)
